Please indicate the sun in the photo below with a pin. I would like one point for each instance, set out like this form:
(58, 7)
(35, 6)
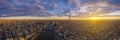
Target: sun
(94, 18)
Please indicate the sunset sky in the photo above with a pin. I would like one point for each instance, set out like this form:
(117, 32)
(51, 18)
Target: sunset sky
(43, 8)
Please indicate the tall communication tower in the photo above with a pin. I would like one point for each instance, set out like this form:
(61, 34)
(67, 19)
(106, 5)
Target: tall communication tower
(69, 16)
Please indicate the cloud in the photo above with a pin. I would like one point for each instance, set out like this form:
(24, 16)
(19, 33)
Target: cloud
(55, 6)
(40, 1)
(1, 0)
(41, 8)
(114, 2)
(50, 7)
(111, 14)
(75, 3)
(18, 2)
(4, 6)
(101, 6)
(79, 3)
(69, 1)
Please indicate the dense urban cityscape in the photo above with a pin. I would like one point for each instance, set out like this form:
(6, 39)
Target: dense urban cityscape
(59, 30)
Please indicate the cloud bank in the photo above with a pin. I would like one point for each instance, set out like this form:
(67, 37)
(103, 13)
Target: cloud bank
(57, 7)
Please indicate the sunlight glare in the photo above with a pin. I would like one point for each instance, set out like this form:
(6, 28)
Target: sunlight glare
(94, 18)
